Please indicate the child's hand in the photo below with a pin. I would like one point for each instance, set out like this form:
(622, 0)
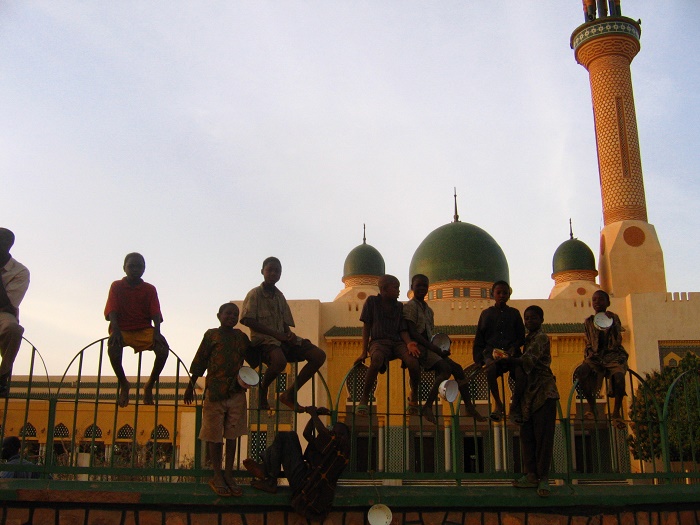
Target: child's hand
(188, 398)
(360, 359)
(116, 339)
(413, 349)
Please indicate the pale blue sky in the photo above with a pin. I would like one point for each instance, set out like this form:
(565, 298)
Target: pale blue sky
(209, 135)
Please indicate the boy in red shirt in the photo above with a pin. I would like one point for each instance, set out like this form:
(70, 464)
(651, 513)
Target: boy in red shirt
(132, 305)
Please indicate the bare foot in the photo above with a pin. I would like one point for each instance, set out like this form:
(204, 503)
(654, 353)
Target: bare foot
(148, 393)
(123, 399)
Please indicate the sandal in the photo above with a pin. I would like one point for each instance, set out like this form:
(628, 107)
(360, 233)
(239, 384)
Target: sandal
(255, 468)
(497, 415)
(412, 407)
(362, 410)
(220, 490)
(524, 483)
(233, 487)
(268, 485)
(543, 489)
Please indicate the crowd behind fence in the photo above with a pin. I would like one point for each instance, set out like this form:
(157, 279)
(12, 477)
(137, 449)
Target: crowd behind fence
(73, 429)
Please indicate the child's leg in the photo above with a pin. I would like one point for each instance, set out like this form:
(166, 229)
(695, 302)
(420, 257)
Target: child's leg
(228, 472)
(413, 367)
(276, 363)
(376, 360)
(528, 441)
(544, 423)
(161, 351)
(587, 380)
(215, 453)
(618, 384)
(115, 358)
(492, 374)
(520, 379)
(442, 372)
(315, 357)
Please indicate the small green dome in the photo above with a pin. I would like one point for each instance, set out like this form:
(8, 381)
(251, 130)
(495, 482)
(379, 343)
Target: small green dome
(364, 260)
(462, 252)
(573, 254)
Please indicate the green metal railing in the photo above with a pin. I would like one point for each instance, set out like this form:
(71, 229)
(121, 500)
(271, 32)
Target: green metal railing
(89, 437)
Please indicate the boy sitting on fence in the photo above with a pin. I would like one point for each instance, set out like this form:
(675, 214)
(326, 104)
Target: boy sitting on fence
(384, 338)
(132, 305)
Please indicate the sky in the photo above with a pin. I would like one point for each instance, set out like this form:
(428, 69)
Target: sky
(210, 135)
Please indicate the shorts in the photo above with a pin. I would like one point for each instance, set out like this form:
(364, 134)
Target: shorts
(224, 419)
(292, 353)
(428, 359)
(139, 340)
(388, 350)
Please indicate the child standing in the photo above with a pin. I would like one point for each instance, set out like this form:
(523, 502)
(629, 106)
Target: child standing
(132, 305)
(420, 321)
(266, 312)
(224, 409)
(384, 338)
(538, 404)
(604, 357)
(500, 327)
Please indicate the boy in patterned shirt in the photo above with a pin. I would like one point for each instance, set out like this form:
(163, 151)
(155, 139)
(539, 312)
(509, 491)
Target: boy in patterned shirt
(224, 409)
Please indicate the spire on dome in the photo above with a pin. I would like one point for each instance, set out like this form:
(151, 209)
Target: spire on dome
(456, 217)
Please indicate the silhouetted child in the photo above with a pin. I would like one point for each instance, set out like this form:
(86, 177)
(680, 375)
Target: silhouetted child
(538, 404)
(500, 328)
(420, 321)
(313, 474)
(604, 357)
(384, 338)
(266, 312)
(224, 409)
(132, 305)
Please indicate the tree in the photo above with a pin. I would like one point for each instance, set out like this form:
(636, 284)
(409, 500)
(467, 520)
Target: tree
(683, 418)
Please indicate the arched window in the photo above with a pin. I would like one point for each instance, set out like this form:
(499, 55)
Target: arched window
(160, 432)
(61, 431)
(126, 432)
(28, 431)
(93, 431)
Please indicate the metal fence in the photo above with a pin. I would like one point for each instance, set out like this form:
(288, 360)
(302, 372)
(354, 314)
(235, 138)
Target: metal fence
(73, 429)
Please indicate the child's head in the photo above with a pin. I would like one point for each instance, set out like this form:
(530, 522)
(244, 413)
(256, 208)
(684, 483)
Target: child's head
(533, 317)
(10, 447)
(419, 286)
(500, 292)
(228, 315)
(134, 266)
(389, 286)
(7, 239)
(600, 301)
(271, 270)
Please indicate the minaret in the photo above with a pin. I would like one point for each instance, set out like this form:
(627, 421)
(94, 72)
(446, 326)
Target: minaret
(631, 259)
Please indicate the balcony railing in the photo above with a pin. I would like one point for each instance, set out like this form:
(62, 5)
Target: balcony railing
(73, 429)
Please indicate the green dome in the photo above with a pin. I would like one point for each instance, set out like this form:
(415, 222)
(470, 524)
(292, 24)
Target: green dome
(364, 260)
(573, 255)
(460, 251)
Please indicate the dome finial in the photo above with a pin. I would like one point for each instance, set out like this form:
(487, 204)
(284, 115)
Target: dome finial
(571, 230)
(364, 233)
(456, 214)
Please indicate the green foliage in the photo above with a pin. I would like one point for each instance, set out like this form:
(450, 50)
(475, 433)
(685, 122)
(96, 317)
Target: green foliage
(683, 420)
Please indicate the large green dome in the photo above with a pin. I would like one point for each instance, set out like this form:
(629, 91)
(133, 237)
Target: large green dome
(364, 260)
(573, 254)
(460, 251)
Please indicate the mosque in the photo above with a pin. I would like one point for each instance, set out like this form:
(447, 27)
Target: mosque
(462, 260)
